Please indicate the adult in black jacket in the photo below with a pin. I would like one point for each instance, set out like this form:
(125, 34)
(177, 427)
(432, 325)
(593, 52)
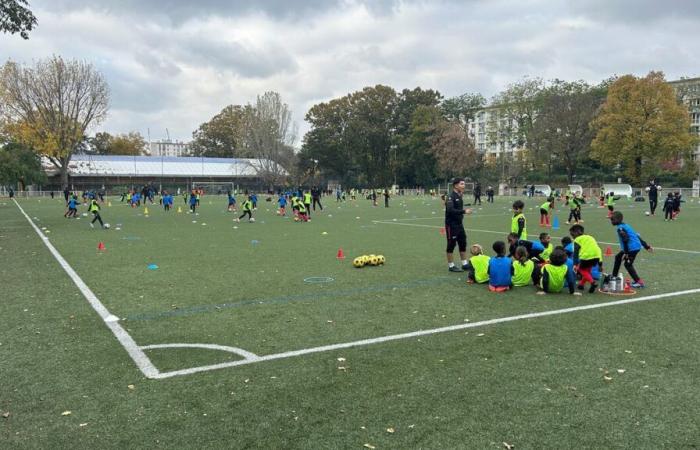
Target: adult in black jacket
(454, 229)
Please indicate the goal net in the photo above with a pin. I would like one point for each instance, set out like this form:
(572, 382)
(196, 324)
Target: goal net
(214, 187)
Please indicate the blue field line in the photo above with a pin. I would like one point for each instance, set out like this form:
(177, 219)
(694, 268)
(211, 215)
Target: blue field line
(285, 299)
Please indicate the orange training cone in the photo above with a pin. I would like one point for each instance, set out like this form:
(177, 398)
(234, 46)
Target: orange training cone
(340, 255)
(101, 247)
(442, 231)
(608, 251)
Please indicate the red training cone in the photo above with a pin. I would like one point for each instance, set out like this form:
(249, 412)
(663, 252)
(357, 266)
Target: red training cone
(340, 254)
(608, 251)
(101, 247)
(442, 231)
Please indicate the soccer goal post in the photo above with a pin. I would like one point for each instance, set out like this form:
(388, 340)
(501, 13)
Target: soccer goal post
(214, 187)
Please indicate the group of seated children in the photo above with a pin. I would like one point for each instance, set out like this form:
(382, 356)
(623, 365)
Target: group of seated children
(547, 267)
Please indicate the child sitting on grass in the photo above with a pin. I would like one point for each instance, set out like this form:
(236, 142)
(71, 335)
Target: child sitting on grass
(499, 269)
(523, 267)
(478, 265)
(553, 276)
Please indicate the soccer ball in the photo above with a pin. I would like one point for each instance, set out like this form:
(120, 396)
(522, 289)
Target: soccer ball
(373, 260)
(381, 259)
(358, 262)
(646, 213)
(107, 226)
(365, 259)
(252, 219)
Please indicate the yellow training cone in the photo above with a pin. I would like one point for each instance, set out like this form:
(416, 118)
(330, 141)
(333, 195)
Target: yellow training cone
(109, 204)
(179, 209)
(145, 211)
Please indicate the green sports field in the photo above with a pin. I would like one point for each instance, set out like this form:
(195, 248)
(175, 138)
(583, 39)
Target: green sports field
(254, 335)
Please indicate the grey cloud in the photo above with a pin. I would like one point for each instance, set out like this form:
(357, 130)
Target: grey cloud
(237, 58)
(182, 10)
(625, 11)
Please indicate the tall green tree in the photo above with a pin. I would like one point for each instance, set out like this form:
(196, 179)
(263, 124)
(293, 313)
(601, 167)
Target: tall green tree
(641, 125)
(20, 165)
(131, 143)
(224, 135)
(562, 126)
(411, 163)
(16, 18)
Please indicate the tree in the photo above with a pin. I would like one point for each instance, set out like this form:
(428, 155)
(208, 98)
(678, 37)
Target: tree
(131, 143)
(50, 106)
(641, 124)
(462, 109)
(562, 126)
(412, 162)
(512, 120)
(454, 152)
(99, 144)
(224, 135)
(270, 134)
(15, 18)
(19, 164)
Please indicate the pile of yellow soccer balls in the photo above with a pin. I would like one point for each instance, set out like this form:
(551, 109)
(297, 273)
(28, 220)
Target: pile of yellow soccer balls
(368, 260)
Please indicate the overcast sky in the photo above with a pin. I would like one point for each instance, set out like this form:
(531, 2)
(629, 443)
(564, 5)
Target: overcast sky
(175, 63)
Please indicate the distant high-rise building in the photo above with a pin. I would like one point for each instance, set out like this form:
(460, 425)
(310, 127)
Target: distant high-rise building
(493, 133)
(169, 148)
(688, 90)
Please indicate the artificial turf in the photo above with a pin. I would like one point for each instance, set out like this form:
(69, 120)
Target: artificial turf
(537, 383)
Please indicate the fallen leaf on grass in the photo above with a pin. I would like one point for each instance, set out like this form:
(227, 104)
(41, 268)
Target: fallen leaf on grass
(480, 334)
(621, 371)
(628, 351)
(369, 446)
(508, 446)
(83, 424)
(131, 386)
(342, 368)
(390, 430)
(341, 359)
(412, 425)
(6, 414)
(606, 378)
(66, 413)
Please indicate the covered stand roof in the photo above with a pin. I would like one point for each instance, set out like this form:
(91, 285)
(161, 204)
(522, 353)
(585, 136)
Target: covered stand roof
(156, 166)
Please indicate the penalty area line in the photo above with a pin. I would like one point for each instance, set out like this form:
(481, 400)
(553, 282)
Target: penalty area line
(140, 359)
(396, 337)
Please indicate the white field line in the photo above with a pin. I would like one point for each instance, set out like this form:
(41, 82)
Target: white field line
(112, 322)
(396, 337)
(503, 233)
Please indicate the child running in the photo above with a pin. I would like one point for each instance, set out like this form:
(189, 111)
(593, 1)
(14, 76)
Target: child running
(72, 207)
(247, 208)
(282, 202)
(630, 244)
(478, 265)
(499, 269)
(587, 254)
(94, 208)
(523, 268)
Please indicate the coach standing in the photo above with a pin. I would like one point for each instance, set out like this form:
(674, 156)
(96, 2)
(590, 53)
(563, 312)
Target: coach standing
(653, 190)
(454, 229)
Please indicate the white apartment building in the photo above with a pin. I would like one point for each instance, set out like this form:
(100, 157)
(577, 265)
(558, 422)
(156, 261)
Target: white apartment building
(169, 148)
(493, 134)
(689, 91)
